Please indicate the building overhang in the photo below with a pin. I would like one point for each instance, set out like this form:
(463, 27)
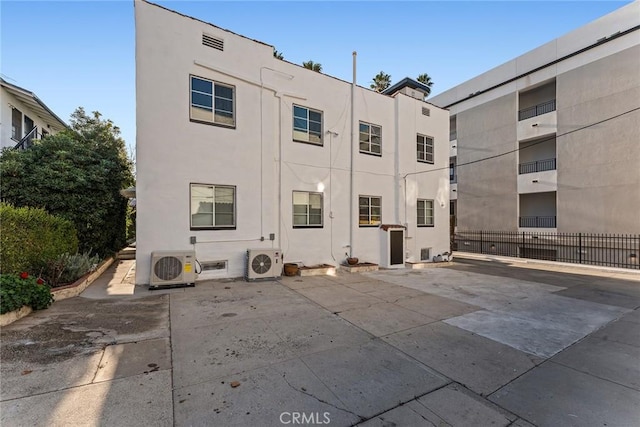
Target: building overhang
(31, 101)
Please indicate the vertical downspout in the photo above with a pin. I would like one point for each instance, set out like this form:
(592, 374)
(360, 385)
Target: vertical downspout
(396, 165)
(278, 95)
(353, 138)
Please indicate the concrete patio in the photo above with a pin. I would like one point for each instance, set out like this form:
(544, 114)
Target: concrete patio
(475, 343)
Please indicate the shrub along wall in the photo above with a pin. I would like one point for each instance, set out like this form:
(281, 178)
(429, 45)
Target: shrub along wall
(30, 237)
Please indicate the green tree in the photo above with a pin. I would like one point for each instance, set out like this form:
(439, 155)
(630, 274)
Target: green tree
(425, 80)
(277, 55)
(315, 66)
(76, 174)
(381, 81)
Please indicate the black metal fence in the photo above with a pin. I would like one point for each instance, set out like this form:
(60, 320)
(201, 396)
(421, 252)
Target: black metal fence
(537, 110)
(610, 250)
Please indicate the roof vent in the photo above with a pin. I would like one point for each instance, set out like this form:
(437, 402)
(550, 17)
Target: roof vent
(426, 111)
(211, 41)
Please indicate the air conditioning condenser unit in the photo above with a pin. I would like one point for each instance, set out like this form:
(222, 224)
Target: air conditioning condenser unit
(172, 269)
(263, 264)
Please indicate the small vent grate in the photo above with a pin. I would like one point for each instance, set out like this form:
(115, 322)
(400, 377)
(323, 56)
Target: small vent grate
(168, 268)
(261, 264)
(211, 41)
(426, 111)
(425, 254)
(213, 265)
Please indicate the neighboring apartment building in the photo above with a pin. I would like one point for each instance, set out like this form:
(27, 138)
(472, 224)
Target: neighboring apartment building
(239, 150)
(28, 116)
(563, 120)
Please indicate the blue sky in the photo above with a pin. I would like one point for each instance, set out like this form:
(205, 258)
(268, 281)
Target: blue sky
(82, 53)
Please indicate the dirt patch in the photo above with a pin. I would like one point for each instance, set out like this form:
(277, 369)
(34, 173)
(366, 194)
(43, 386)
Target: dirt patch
(80, 326)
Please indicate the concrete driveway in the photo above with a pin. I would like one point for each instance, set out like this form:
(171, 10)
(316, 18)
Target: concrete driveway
(475, 343)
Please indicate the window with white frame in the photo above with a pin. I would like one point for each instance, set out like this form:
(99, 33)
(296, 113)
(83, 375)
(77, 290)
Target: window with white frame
(425, 213)
(307, 125)
(307, 209)
(212, 102)
(213, 206)
(425, 148)
(370, 139)
(370, 211)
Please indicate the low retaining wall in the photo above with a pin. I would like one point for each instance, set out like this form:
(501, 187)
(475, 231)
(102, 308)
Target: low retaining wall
(77, 287)
(12, 316)
(60, 293)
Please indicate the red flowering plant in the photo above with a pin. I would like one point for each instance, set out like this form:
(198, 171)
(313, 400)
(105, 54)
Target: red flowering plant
(17, 290)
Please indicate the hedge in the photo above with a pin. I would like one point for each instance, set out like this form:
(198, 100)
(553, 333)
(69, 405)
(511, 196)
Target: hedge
(30, 238)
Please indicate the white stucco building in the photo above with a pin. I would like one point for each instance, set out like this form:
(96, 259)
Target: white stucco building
(239, 150)
(24, 117)
(561, 126)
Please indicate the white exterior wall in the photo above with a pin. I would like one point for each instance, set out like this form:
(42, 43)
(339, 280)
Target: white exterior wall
(7, 103)
(261, 159)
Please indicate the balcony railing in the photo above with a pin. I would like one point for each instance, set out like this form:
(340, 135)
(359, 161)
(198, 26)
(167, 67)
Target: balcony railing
(27, 140)
(537, 166)
(538, 222)
(537, 110)
(453, 134)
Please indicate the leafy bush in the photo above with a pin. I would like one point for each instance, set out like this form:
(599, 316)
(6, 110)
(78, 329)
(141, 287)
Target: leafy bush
(31, 237)
(76, 174)
(68, 268)
(18, 290)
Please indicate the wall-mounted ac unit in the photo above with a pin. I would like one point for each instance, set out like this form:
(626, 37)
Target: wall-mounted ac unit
(172, 269)
(263, 264)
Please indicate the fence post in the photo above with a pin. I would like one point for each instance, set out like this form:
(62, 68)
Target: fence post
(580, 247)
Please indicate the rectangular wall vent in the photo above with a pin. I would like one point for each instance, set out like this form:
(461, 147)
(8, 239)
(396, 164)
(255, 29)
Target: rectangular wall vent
(426, 111)
(213, 265)
(425, 254)
(211, 41)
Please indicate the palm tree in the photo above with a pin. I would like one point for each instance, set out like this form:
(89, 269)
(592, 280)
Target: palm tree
(315, 66)
(425, 80)
(277, 54)
(381, 81)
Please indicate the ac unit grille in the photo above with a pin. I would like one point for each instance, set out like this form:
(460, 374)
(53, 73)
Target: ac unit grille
(212, 42)
(168, 268)
(261, 263)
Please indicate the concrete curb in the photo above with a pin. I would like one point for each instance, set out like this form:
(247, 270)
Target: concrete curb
(76, 288)
(12, 316)
(555, 264)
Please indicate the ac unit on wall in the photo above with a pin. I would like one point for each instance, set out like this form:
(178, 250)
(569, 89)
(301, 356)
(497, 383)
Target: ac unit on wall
(172, 269)
(263, 264)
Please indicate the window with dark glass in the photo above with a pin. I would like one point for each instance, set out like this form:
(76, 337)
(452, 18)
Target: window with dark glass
(370, 211)
(212, 102)
(307, 125)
